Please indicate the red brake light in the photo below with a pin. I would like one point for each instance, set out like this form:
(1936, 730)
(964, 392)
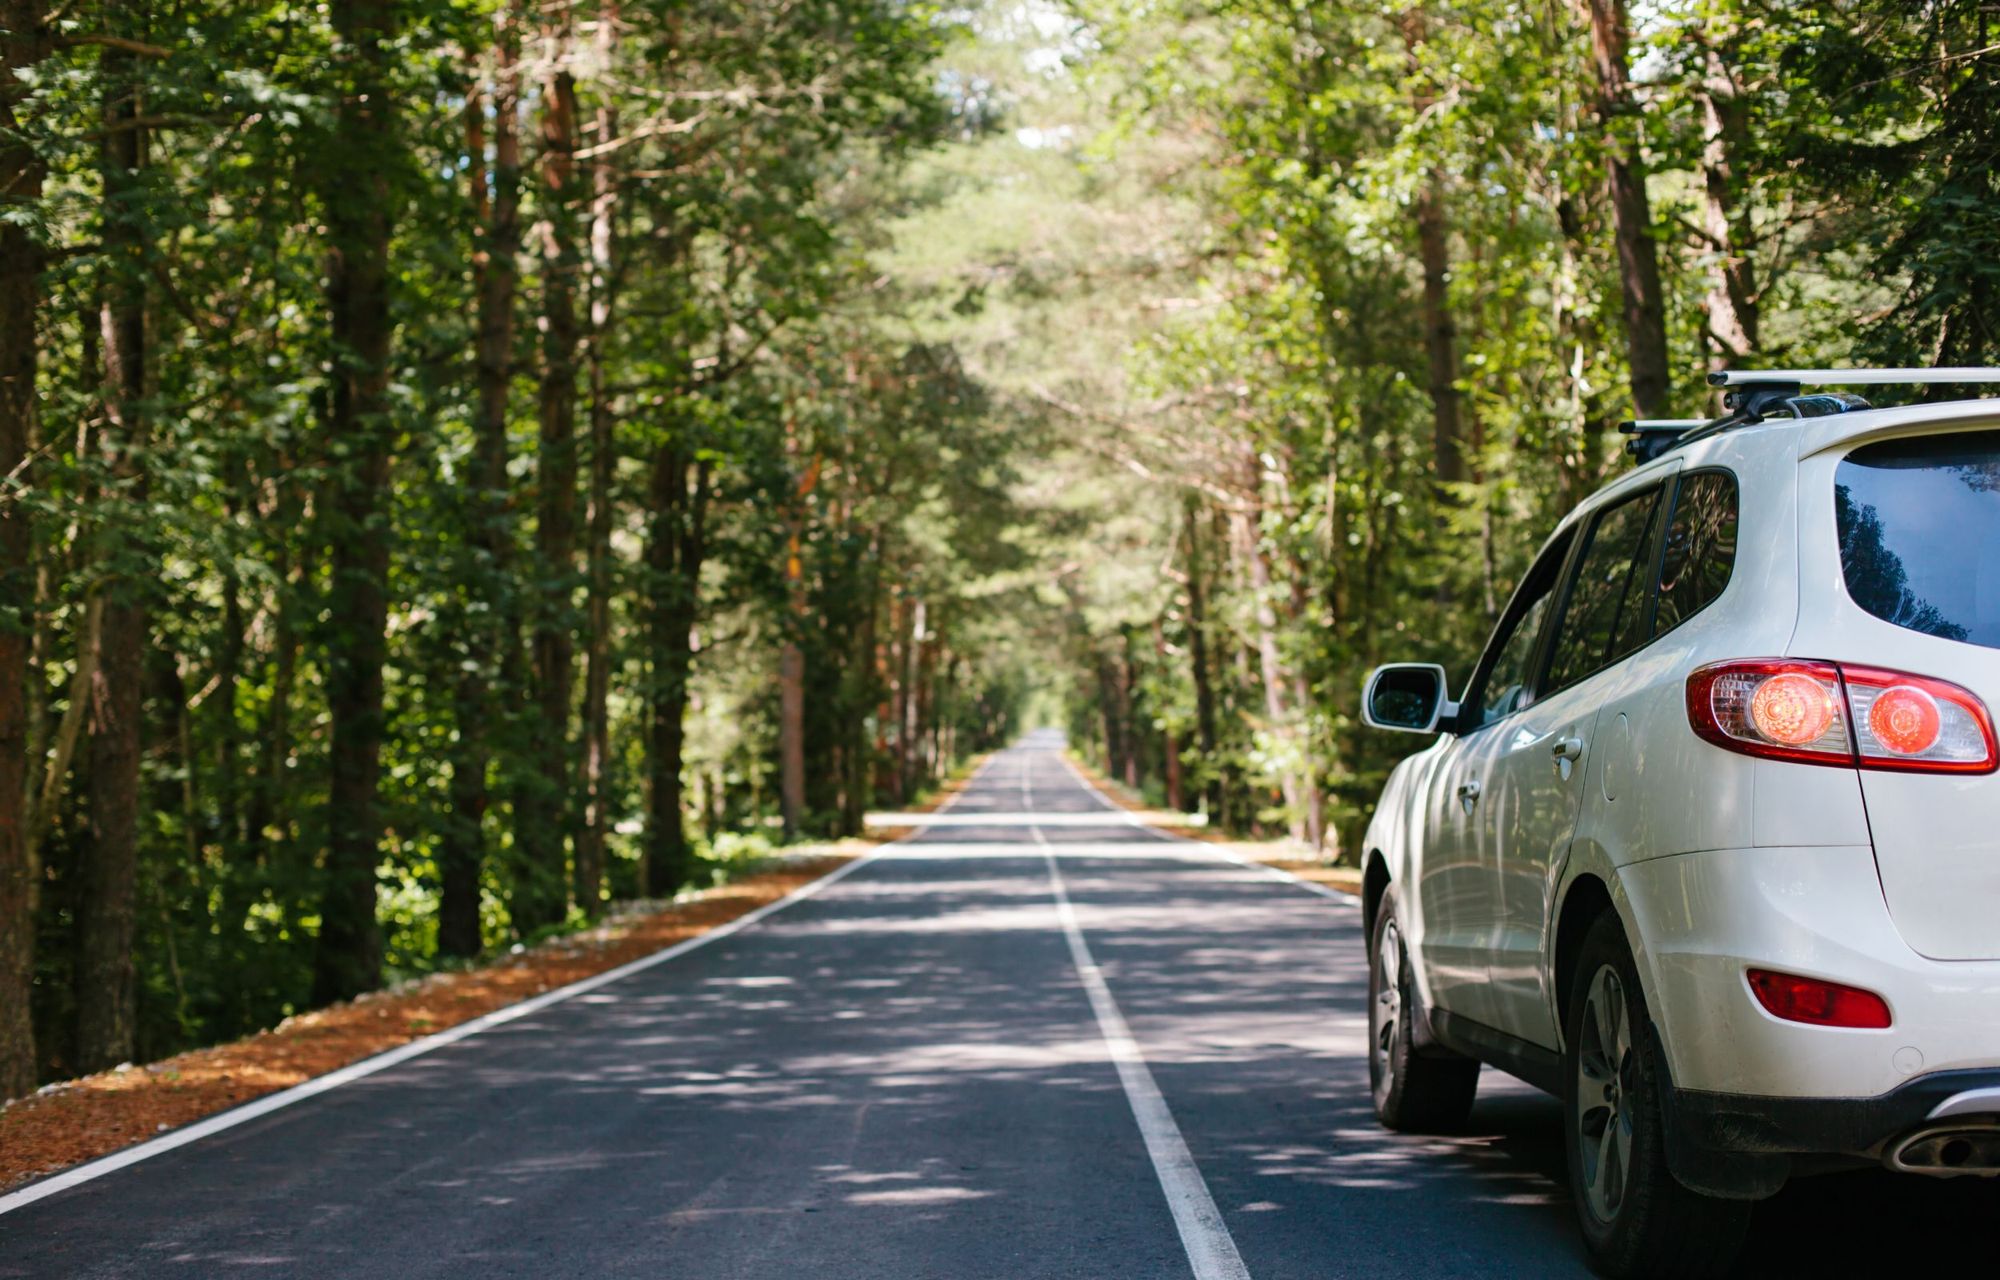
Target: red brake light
(1823, 1004)
(1856, 717)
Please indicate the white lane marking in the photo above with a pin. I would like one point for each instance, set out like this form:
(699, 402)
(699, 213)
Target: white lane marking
(1211, 1251)
(1270, 872)
(403, 1053)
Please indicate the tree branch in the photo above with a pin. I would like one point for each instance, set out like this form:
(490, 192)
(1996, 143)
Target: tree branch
(137, 47)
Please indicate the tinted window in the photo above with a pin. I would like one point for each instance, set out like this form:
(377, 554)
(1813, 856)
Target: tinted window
(1606, 614)
(1502, 686)
(1919, 525)
(1701, 548)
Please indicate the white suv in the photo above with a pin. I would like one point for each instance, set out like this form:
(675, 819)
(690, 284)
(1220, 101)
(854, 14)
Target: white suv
(1710, 846)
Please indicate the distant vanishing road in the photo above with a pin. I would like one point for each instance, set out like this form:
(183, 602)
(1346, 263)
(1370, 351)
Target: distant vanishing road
(1037, 1041)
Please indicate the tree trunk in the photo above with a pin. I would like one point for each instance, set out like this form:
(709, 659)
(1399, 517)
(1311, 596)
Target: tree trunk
(1440, 336)
(791, 737)
(1277, 703)
(861, 695)
(591, 832)
(1198, 658)
(291, 596)
(1170, 746)
(1618, 115)
(21, 173)
(1128, 761)
(359, 209)
(541, 898)
(488, 622)
(792, 659)
(1107, 702)
(1434, 254)
(898, 694)
(676, 549)
(1732, 289)
(912, 706)
(106, 910)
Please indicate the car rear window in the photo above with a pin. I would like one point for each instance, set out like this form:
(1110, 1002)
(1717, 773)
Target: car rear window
(1919, 523)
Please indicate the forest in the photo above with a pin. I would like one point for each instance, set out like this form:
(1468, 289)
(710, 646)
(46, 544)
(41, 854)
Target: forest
(467, 462)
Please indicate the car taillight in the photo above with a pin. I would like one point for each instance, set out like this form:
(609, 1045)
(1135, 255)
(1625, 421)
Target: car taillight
(1837, 714)
(1821, 1003)
(1917, 723)
(1784, 710)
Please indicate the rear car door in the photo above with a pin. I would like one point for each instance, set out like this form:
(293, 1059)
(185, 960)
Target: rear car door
(1536, 764)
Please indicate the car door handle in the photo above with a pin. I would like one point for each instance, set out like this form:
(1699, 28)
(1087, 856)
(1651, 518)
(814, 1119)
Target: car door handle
(1468, 794)
(1565, 752)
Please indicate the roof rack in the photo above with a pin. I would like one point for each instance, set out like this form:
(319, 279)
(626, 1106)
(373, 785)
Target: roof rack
(1752, 395)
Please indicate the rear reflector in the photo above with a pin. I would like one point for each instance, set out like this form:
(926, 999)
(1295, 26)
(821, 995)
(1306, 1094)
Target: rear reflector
(1823, 1004)
(1837, 714)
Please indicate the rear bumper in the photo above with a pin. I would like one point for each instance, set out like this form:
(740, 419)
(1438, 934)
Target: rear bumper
(1819, 1126)
(1746, 1145)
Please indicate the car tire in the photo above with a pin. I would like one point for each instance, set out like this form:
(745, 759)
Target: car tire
(1637, 1218)
(1417, 1090)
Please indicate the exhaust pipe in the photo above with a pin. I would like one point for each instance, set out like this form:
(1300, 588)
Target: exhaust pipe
(1949, 1151)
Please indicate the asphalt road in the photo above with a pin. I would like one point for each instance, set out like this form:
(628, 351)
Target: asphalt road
(1036, 1042)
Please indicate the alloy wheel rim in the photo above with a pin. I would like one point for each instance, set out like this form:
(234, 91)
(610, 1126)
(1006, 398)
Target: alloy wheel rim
(1387, 1012)
(1604, 1073)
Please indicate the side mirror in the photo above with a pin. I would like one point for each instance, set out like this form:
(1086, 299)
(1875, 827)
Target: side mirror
(1406, 696)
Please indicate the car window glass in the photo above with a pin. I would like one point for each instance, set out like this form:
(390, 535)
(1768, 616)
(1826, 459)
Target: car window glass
(1701, 548)
(1605, 616)
(1506, 688)
(1504, 682)
(1919, 523)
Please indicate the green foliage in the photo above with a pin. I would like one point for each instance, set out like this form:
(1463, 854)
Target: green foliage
(736, 163)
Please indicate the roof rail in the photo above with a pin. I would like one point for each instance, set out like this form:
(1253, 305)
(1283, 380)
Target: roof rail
(1752, 395)
(1852, 377)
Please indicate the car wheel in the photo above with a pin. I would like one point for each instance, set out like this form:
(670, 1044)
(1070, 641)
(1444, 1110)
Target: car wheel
(1416, 1091)
(1637, 1219)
